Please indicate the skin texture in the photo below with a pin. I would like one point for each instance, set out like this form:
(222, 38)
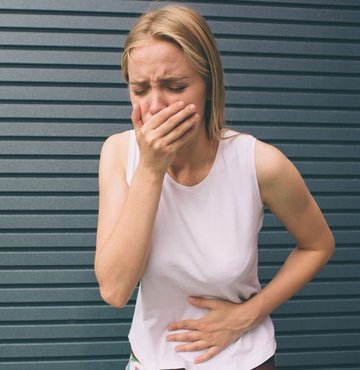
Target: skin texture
(168, 98)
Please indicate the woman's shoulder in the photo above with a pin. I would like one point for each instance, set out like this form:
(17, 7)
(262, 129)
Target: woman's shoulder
(114, 151)
(272, 165)
(267, 157)
(116, 141)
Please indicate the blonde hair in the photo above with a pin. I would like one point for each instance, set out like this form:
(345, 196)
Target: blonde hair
(187, 29)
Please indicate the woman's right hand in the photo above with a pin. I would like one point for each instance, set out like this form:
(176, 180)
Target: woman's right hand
(163, 134)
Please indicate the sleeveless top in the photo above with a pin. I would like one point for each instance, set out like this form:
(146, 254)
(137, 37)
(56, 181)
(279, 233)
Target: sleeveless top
(204, 243)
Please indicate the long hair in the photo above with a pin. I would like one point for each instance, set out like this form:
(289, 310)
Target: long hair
(188, 30)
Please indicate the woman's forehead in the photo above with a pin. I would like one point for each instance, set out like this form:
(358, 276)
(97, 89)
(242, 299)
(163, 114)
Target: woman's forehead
(157, 50)
(158, 60)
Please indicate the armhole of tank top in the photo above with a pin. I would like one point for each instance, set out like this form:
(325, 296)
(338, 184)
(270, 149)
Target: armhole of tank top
(131, 159)
(254, 178)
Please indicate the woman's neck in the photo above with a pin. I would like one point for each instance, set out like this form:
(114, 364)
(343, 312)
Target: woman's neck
(194, 160)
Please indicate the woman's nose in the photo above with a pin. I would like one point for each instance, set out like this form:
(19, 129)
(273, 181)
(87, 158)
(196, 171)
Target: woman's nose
(157, 102)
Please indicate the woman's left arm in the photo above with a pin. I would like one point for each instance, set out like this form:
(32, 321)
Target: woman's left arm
(283, 190)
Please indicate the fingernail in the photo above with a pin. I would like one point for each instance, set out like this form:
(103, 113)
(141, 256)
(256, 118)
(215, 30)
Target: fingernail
(181, 104)
(192, 107)
(196, 117)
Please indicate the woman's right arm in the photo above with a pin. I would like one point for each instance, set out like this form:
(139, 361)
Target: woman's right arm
(125, 222)
(127, 213)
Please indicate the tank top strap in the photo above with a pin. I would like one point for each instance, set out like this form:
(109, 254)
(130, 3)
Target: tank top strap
(133, 157)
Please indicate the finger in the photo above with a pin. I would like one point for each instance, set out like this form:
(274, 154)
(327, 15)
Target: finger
(159, 118)
(212, 352)
(204, 302)
(189, 336)
(185, 324)
(136, 117)
(180, 133)
(192, 347)
(177, 119)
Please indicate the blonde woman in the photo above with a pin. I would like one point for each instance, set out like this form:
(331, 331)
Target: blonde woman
(181, 204)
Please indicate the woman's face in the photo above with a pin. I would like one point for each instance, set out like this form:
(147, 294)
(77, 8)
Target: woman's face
(159, 75)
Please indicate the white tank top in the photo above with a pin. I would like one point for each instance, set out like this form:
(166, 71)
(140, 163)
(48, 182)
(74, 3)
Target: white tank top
(204, 243)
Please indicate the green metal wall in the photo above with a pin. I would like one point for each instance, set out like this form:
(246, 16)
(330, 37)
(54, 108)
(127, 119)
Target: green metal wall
(293, 80)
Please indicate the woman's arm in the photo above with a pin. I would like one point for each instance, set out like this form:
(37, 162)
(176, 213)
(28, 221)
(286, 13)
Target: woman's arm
(127, 214)
(285, 193)
(125, 221)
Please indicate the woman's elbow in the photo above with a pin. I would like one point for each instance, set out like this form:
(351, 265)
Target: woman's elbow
(329, 243)
(110, 293)
(113, 296)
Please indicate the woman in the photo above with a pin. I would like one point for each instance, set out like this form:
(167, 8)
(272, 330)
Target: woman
(181, 205)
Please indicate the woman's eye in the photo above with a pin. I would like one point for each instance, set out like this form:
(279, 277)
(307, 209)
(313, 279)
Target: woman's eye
(176, 88)
(139, 92)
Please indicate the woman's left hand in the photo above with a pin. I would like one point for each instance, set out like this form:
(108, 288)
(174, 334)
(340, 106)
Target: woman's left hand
(222, 325)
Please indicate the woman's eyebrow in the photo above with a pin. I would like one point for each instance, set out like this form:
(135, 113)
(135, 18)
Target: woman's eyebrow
(140, 82)
(165, 80)
(173, 79)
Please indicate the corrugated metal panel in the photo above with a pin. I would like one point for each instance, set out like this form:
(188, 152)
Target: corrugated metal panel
(293, 76)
